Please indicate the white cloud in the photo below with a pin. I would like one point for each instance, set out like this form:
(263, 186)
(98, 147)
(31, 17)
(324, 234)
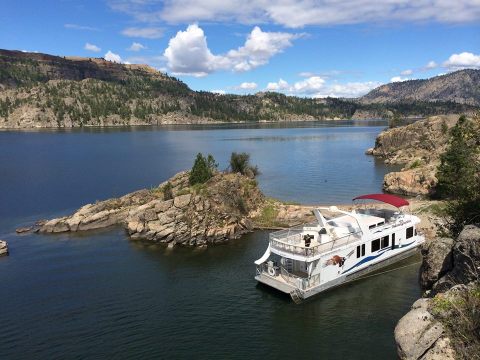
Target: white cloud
(146, 32)
(136, 47)
(218, 91)
(110, 56)
(431, 65)
(309, 86)
(247, 86)
(398, 79)
(407, 72)
(299, 13)
(91, 47)
(349, 90)
(463, 60)
(276, 86)
(316, 86)
(188, 53)
(79, 27)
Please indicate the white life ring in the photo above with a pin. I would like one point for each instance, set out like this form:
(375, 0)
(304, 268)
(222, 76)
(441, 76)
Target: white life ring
(271, 271)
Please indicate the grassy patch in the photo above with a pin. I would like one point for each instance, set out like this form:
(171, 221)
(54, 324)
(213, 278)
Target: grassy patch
(436, 208)
(461, 318)
(415, 164)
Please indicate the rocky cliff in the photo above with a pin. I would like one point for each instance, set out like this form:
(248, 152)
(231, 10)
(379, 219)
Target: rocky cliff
(417, 147)
(461, 86)
(446, 323)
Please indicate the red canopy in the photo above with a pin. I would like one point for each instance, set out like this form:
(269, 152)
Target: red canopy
(386, 198)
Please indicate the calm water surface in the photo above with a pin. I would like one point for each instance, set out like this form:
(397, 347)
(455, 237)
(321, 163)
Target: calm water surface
(99, 295)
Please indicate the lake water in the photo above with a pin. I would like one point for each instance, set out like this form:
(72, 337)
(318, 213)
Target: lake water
(99, 295)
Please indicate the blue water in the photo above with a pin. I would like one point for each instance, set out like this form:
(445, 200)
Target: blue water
(98, 295)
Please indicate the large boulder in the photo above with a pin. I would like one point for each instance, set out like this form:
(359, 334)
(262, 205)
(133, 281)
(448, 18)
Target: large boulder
(466, 260)
(437, 261)
(3, 248)
(417, 331)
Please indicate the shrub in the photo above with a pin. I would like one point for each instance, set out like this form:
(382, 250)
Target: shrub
(167, 191)
(240, 163)
(202, 169)
(459, 176)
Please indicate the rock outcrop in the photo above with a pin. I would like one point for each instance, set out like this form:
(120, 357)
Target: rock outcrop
(417, 147)
(449, 274)
(3, 248)
(214, 212)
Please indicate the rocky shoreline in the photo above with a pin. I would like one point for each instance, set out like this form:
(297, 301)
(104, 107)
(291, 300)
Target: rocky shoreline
(449, 275)
(226, 207)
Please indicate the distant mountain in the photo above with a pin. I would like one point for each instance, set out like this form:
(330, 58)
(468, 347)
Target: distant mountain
(461, 87)
(40, 90)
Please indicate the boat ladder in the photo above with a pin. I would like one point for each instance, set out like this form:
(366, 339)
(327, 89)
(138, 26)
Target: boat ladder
(296, 296)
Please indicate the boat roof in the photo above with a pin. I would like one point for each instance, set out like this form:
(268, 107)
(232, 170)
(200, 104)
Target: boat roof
(385, 198)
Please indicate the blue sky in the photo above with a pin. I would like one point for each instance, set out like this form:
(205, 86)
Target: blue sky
(303, 47)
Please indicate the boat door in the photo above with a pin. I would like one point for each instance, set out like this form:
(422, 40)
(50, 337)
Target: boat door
(393, 241)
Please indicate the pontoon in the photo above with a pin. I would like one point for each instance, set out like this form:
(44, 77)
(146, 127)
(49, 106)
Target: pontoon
(339, 247)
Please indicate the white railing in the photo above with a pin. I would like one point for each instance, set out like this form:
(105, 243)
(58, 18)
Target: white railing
(292, 279)
(295, 247)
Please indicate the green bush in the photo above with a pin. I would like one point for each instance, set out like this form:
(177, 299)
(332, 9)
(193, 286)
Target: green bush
(459, 176)
(167, 191)
(202, 169)
(240, 163)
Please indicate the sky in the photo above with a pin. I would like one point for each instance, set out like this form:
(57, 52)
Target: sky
(308, 48)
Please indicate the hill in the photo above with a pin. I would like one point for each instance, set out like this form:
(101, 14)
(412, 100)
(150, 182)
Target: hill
(462, 87)
(40, 90)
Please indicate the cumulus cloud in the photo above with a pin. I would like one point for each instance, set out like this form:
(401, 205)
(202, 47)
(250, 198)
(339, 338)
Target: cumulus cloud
(146, 32)
(295, 13)
(247, 86)
(463, 60)
(316, 86)
(188, 53)
(406, 72)
(398, 79)
(431, 65)
(91, 47)
(218, 91)
(276, 86)
(110, 56)
(136, 47)
(309, 86)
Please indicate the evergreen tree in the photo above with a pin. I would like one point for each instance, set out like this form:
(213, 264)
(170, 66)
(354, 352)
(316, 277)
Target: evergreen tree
(459, 176)
(201, 171)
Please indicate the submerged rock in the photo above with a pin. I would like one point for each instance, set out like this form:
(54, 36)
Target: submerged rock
(22, 230)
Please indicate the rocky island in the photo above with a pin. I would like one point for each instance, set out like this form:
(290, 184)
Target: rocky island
(222, 208)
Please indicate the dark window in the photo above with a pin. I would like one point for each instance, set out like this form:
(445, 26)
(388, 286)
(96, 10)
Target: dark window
(393, 241)
(363, 249)
(358, 251)
(375, 245)
(385, 242)
(409, 232)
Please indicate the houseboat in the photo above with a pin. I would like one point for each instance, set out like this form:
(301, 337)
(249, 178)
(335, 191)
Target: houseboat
(339, 247)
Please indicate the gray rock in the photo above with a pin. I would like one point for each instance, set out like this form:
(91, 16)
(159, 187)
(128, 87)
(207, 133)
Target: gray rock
(163, 206)
(166, 217)
(182, 200)
(437, 261)
(150, 215)
(416, 333)
(3, 248)
(466, 260)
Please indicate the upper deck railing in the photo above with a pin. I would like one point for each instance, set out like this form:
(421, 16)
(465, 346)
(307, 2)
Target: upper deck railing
(290, 241)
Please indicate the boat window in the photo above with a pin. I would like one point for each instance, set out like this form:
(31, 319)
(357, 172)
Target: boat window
(375, 245)
(385, 241)
(360, 250)
(372, 226)
(409, 232)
